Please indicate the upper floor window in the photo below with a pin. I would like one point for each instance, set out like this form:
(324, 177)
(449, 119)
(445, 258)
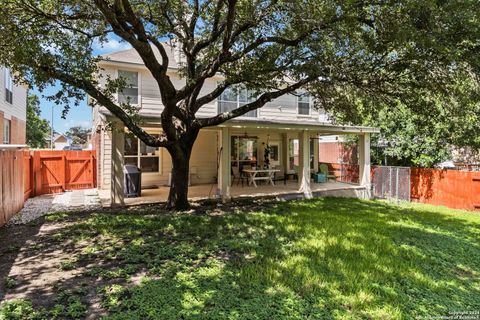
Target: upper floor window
(130, 92)
(6, 131)
(8, 86)
(304, 104)
(235, 97)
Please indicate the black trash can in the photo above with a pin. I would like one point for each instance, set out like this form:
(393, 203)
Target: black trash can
(133, 181)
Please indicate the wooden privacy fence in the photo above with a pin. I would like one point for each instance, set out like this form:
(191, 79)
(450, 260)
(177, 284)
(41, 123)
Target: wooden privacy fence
(450, 188)
(41, 172)
(11, 191)
(345, 172)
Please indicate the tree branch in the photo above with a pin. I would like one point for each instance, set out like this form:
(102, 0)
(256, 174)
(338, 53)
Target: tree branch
(261, 101)
(126, 25)
(102, 99)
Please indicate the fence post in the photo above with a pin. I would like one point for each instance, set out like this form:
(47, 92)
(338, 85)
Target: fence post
(37, 172)
(32, 174)
(409, 184)
(92, 168)
(3, 218)
(64, 178)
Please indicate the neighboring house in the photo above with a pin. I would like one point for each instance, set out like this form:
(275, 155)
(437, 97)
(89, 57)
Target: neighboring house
(60, 141)
(13, 110)
(289, 125)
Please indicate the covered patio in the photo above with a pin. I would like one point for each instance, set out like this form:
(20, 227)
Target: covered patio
(280, 191)
(260, 133)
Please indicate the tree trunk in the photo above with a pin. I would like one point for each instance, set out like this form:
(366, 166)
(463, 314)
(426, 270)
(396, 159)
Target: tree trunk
(180, 153)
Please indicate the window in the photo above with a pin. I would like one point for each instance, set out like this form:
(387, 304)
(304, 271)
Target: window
(139, 154)
(130, 92)
(235, 97)
(244, 151)
(304, 104)
(6, 131)
(294, 151)
(274, 153)
(8, 86)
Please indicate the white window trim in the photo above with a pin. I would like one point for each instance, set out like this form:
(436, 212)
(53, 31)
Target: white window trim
(309, 115)
(257, 111)
(8, 84)
(237, 160)
(278, 144)
(139, 156)
(290, 168)
(4, 141)
(139, 79)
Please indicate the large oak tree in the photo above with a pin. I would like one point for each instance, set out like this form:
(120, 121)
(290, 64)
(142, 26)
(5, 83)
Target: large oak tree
(343, 52)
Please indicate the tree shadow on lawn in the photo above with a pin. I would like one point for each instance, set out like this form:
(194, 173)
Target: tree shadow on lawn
(324, 258)
(13, 240)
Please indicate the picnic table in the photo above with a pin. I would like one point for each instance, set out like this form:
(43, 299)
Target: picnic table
(260, 174)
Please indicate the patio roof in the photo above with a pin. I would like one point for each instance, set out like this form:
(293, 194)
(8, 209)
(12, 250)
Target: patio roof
(282, 125)
(309, 125)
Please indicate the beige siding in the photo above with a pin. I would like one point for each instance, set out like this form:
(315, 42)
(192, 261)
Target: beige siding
(151, 99)
(204, 159)
(106, 161)
(282, 108)
(18, 108)
(285, 108)
(208, 110)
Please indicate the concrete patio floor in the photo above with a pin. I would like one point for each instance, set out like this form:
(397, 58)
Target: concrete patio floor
(280, 191)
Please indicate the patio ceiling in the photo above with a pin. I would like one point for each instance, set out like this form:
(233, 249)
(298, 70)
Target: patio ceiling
(296, 126)
(280, 125)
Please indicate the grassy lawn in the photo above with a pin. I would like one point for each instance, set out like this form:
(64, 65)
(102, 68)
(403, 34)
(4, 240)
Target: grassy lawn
(317, 259)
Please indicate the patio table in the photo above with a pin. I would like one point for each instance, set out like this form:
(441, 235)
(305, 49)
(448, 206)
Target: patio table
(266, 174)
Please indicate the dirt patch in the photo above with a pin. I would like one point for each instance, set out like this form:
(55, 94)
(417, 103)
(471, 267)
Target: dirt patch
(40, 261)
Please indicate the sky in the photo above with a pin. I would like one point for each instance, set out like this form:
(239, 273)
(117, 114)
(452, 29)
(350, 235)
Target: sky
(78, 115)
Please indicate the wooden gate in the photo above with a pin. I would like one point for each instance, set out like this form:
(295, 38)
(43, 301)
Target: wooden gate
(57, 170)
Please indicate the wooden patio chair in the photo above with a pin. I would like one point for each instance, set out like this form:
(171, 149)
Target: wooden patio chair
(323, 168)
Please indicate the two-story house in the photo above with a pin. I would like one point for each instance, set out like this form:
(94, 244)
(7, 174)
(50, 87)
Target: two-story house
(13, 110)
(289, 126)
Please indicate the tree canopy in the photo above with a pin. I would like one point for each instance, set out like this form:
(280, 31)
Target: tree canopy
(345, 53)
(37, 128)
(78, 135)
(423, 139)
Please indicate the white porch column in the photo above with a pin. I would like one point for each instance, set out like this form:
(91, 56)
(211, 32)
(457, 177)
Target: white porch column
(304, 163)
(118, 147)
(284, 153)
(224, 170)
(315, 153)
(364, 161)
